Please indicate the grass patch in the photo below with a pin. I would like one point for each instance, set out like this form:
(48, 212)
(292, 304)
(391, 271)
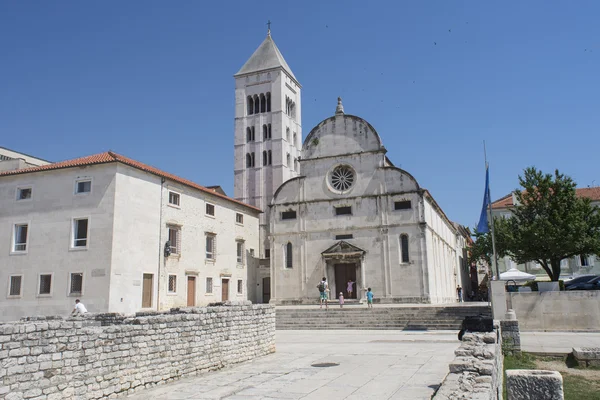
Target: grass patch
(576, 385)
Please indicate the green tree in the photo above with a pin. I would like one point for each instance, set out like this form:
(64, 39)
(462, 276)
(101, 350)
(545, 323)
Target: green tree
(481, 251)
(549, 222)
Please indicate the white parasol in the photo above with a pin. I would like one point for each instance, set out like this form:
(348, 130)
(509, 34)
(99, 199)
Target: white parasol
(516, 275)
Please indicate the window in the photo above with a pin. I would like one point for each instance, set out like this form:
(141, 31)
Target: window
(252, 158)
(295, 139)
(248, 135)
(404, 248)
(287, 134)
(402, 205)
(251, 251)
(252, 137)
(250, 103)
(268, 101)
(346, 210)
(584, 261)
(15, 285)
(240, 252)
(288, 160)
(80, 232)
(288, 255)
(263, 103)
(342, 237)
(76, 285)
(45, 284)
(83, 186)
(210, 209)
(211, 246)
(172, 283)
(269, 131)
(270, 158)
(20, 238)
(288, 215)
(240, 286)
(24, 193)
(239, 218)
(174, 198)
(267, 253)
(265, 132)
(248, 160)
(208, 285)
(175, 239)
(342, 178)
(265, 159)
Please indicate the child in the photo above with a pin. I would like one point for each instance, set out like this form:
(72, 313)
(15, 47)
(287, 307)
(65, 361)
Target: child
(369, 299)
(341, 300)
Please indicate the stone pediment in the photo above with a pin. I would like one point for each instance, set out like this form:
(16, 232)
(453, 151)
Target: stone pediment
(343, 250)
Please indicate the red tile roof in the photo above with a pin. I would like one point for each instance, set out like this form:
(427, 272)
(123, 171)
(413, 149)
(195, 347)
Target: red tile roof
(109, 157)
(592, 193)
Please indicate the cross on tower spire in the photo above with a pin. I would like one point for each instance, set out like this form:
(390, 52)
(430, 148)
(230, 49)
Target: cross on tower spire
(269, 28)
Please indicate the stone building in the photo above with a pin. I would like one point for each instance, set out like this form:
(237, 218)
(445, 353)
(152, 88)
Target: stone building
(12, 160)
(578, 265)
(120, 235)
(383, 230)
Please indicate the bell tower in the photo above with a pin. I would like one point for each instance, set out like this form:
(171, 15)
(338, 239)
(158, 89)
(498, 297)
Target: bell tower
(268, 130)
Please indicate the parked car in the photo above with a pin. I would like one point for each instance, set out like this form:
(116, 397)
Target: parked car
(579, 279)
(593, 284)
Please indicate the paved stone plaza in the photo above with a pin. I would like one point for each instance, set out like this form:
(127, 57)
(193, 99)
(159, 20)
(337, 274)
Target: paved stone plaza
(374, 365)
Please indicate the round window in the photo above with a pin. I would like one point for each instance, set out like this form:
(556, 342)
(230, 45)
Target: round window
(342, 178)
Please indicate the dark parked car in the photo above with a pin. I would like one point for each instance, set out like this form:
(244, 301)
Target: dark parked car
(579, 279)
(593, 284)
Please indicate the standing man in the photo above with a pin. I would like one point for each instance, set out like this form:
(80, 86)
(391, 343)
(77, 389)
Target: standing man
(323, 287)
(79, 308)
(459, 293)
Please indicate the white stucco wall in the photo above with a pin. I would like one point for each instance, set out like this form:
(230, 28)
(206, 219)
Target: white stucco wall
(49, 214)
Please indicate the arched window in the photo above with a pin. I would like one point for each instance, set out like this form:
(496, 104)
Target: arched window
(263, 103)
(287, 134)
(256, 105)
(265, 132)
(296, 164)
(269, 129)
(248, 134)
(268, 101)
(288, 255)
(404, 248)
(253, 159)
(253, 137)
(295, 139)
(250, 105)
(288, 160)
(248, 160)
(264, 158)
(270, 158)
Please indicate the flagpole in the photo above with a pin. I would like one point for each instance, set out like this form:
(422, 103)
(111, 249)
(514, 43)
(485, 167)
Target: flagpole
(489, 198)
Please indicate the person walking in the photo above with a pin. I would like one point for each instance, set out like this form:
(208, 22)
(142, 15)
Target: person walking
(79, 308)
(349, 288)
(323, 289)
(459, 293)
(369, 298)
(341, 298)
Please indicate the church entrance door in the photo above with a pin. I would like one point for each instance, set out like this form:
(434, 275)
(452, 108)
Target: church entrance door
(344, 272)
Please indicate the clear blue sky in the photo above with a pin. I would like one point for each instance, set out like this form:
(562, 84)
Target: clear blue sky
(153, 81)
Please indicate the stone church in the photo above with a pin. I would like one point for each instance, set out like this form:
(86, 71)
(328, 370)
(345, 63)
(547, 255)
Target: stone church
(334, 205)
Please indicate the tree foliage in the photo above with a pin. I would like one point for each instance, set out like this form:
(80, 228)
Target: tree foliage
(549, 222)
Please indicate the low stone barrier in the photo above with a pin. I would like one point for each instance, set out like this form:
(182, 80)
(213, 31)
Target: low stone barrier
(587, 356)
(51, 359)
(476, 372)
(511, 337)
(531, 384)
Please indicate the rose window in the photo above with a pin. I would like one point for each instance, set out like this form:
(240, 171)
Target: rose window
(342, 178)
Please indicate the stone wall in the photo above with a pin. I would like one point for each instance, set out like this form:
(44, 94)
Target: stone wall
(68, 359)
(557, 311)
(476, 372)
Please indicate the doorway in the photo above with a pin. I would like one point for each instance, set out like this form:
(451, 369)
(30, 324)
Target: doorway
(147, 290)
(266, 289)
(191, 291)
(225, 290)
(343, 273)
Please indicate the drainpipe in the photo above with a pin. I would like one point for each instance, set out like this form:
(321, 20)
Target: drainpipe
(160, 245)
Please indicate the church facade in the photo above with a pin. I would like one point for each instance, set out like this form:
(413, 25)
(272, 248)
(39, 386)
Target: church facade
(334, 206)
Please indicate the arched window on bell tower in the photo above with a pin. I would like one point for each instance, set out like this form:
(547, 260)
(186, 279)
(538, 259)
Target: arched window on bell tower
(256, 104)
(268, 101)
(263, 103)
(250, 104)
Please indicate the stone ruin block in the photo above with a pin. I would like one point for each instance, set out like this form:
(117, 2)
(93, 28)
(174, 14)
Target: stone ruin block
(530, 384)
(587, 356)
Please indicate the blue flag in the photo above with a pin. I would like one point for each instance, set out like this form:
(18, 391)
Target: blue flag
(483, 226)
